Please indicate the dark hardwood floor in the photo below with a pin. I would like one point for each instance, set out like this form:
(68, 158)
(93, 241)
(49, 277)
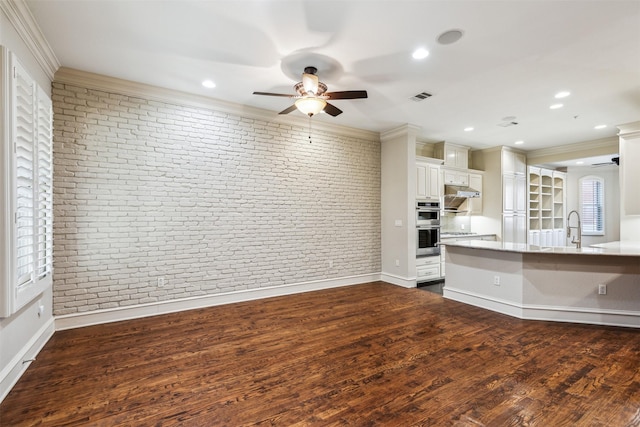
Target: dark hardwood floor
(365, 355)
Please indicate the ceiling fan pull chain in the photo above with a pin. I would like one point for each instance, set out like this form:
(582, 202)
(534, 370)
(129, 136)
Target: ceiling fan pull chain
(309, 129)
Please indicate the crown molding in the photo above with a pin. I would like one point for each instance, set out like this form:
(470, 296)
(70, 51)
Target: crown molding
(606, 144)
(629, 130)
(130, 88)
(407, 130)
(27, 28)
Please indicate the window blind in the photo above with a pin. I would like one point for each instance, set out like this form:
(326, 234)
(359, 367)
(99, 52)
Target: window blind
(44, 231)
(592, 204)
(31, 181)
(24, 115)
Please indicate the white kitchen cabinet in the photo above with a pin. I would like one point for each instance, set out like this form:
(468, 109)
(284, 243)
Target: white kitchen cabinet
(428, 268)
(514, 228)
(427, 180)
(534, 237)
(514, 162)
(514, 193)
(504, 192)
(453, 155)
(560, 237)
(455, 177)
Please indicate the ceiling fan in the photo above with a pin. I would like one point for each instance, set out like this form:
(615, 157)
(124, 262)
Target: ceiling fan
(312, 95)
(614, 161)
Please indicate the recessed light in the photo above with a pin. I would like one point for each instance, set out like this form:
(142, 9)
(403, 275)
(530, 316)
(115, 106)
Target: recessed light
(468, 129)
(209, 84)
(562, 94)
(518, 142)
(600, 127)
(580, 163)
(556, 106)
(449, 37)
(420, 53)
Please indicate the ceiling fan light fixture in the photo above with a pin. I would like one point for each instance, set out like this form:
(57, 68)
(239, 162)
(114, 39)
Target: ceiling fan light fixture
(310, 105)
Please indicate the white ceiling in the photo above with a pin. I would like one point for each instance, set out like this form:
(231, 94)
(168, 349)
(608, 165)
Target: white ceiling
(513, 58)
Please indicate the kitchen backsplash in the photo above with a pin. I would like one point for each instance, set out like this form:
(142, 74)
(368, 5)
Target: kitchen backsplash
(450, 222)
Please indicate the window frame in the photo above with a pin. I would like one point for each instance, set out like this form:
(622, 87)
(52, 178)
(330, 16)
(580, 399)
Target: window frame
(26, 127)
(585, 217)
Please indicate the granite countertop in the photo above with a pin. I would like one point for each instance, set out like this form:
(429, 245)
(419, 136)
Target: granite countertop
(612, 248)
(458, 235)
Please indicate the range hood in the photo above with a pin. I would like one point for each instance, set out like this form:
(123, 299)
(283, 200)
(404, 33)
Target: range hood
(456, 195)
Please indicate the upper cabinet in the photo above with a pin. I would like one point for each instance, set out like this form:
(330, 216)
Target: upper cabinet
(455, 177)
(514, 162)
(454, 155)
(427, 178)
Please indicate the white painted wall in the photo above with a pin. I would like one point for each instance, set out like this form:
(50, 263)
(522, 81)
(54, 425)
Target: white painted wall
(397, 199)
(612, 199)
(23, 334)
(490, 222)
(630, 181)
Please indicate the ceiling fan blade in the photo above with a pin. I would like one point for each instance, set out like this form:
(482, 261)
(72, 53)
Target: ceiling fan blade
(273, 94)
(347, 94)
(288, 110)
(332, 110)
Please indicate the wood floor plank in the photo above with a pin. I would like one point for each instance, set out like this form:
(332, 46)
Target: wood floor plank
(372, 354)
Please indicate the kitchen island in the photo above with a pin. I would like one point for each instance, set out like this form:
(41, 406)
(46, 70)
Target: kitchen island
(596, 285)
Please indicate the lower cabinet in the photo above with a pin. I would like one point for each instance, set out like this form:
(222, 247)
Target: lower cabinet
(427, 268)
(514, 228)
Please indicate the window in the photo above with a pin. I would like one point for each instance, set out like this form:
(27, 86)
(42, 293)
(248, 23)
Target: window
(28, 216)
(592, 205)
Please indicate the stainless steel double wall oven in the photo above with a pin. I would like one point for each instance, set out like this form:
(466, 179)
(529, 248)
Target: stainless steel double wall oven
(427, 227)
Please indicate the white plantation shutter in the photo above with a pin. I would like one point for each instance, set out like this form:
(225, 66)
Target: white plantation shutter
(592, 205)
(44, 230)
(25, 156)
(26, 270)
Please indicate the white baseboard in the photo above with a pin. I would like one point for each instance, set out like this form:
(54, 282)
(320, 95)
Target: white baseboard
(585, 315)
(78, 320)
(398, 281)
(14, 369)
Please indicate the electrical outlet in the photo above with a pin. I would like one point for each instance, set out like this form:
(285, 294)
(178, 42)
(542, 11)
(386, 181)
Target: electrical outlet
(160, 282)
(397, 263)
(602, 289)
(496, 280)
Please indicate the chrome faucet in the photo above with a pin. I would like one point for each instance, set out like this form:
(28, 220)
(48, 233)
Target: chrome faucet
(578, 238)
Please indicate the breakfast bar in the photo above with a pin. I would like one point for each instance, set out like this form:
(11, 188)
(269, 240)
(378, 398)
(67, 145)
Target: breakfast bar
(599, 284)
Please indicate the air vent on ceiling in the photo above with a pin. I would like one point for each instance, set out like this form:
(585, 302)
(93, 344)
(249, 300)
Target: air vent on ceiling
(507, 124)
(420, 97)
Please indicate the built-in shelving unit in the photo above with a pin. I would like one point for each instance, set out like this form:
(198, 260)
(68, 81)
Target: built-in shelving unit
(546, 213)
(534, 198)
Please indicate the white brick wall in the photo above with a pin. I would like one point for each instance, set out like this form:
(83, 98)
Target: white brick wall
(210, 201)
